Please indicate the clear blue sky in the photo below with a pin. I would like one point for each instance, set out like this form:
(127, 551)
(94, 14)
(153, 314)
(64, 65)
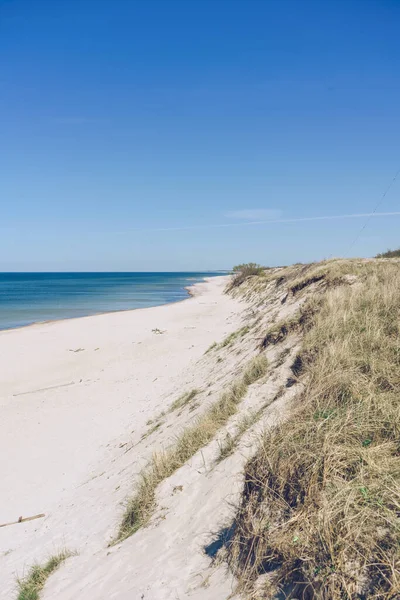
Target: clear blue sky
(130, 130)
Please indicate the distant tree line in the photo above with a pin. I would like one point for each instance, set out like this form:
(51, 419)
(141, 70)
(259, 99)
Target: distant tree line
(389, 254)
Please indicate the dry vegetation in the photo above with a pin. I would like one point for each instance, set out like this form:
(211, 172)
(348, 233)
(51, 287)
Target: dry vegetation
(163, 464)
(183, 400)
(319, 516)
(229, 340)
(233, 336)
(30, 587)
(230, 442)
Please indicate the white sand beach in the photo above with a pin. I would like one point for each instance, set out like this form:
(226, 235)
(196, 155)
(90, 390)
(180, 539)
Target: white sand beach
(75, 396)
(85, 403)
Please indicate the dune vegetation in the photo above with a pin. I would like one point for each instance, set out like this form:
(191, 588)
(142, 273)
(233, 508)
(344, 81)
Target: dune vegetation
(29, 588)
(141, 506)
(389, 254)
(243, 271)
(319, 512)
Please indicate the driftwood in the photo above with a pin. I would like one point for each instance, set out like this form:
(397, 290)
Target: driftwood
(23, 519)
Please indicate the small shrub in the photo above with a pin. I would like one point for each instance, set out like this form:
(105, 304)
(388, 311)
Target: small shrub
(242, 272)
(389, 254)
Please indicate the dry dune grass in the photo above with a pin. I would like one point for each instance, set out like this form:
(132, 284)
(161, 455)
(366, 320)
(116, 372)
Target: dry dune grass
(229, 444)
(183, 400)
(233, 336)
(296, 278)
(319, 517)
(163, 464)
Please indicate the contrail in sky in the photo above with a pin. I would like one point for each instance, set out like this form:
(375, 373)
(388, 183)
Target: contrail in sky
(266, 222)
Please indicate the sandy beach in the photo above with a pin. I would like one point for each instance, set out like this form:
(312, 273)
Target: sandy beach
(75, 397)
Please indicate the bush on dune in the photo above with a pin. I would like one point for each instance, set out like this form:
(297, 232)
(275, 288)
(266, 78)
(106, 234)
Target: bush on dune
(389, 254)
(243, 271)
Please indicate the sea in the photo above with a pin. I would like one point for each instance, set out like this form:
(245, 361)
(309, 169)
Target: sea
(27, 298)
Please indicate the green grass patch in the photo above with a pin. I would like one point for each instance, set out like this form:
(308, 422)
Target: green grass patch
(29, 587)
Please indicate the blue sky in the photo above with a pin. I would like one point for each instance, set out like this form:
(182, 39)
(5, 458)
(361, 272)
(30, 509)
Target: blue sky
(145, 135)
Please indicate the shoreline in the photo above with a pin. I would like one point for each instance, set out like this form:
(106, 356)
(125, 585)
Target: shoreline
(77, 396)
(190, 294)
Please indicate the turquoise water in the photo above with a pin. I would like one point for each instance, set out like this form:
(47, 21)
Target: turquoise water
(27, 298)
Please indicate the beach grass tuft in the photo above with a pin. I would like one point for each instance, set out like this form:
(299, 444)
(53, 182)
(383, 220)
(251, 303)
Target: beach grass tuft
(230, 443)
(141, 506)
(31, 586)
(183, 400)
(233, 336)
(213, 345)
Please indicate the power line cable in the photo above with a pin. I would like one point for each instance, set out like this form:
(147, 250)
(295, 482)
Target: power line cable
(381, 199)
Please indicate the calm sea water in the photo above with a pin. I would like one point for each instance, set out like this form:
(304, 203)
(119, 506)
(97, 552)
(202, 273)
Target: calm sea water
(27, 298)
